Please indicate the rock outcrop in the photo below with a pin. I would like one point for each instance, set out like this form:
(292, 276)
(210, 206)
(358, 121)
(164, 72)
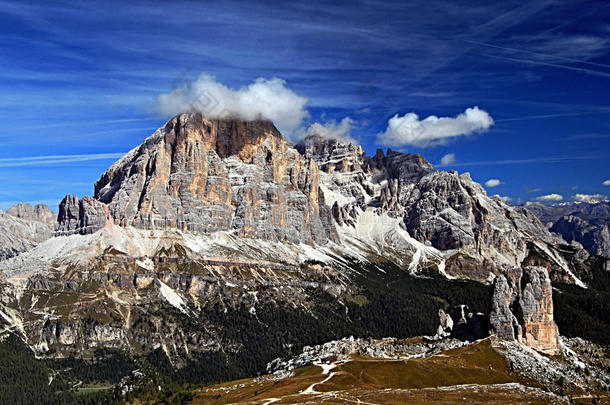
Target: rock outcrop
(83, 216)
(218, 175)
(461, 323)
(39, 212)
(522, 309)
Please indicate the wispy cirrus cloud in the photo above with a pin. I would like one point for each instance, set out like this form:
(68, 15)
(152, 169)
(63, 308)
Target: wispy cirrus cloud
(550, 159)
(569, 48)
(46, 160)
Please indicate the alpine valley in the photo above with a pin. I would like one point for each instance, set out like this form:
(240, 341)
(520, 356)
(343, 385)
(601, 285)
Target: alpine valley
(218, 250)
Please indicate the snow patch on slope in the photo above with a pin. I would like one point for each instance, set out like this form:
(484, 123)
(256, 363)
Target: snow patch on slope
(383, 235)
(173, 298)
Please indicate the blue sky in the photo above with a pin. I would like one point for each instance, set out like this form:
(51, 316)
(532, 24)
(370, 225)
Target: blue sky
(80, 81)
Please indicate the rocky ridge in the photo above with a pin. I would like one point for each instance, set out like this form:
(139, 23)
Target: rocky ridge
(450, 224)
(207, 176)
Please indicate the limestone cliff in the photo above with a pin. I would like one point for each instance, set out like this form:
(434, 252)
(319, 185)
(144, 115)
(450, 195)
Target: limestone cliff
(453, 226)
(83, 216)
(206, 175)
(522, 309)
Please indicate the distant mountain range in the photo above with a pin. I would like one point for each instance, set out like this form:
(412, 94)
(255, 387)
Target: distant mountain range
(585, 223)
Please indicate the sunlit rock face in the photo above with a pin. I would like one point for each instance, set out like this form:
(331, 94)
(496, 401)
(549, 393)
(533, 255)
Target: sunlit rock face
(17, 235)
(522, 309)
(23, 227)
(206, 175)
(39, 212)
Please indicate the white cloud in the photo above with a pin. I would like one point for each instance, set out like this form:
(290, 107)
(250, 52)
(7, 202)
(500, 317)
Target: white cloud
(590, 198)
(433, 130)
(264, 98)
(333, 129)
(550, 197)
(504, 198)
(606, 183)
(493, 183)
(448, 159)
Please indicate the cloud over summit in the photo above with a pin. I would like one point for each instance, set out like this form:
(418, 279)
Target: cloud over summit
(264, 98)
(333, 130)
(448, 159)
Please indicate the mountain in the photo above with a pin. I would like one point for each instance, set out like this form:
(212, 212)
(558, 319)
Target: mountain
(23, 227)
(585, 223)
(39, 212)
(218, 246)
(206, 176)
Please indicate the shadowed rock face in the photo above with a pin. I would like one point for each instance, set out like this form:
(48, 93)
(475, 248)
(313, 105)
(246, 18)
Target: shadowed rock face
(522, 309)
(84, 216)
(595, 237)
(460, 323)
(214, 175)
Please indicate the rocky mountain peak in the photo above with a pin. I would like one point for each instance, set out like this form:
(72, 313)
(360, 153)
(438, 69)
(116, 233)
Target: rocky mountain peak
(207, 175)
(332, 154)
(83, 216)
(39, 212)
